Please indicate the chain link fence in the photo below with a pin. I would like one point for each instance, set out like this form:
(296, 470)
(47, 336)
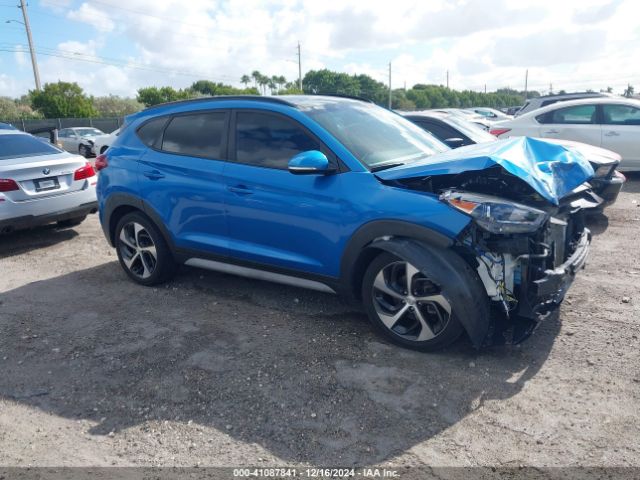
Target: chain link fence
(107, 125)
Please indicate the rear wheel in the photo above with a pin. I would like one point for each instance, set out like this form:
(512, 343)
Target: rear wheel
(142, 251)
(407, 306)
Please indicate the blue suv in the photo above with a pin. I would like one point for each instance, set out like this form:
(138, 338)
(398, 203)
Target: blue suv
(340, 195)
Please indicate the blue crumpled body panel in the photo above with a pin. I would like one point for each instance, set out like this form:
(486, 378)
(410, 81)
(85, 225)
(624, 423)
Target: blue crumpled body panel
(551, 169)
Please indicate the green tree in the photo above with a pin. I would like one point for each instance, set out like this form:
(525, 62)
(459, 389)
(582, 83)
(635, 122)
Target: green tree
(245, 80)
(62, 100)
(114, 106)
(629, 91)
(153, 95)
(11, 109)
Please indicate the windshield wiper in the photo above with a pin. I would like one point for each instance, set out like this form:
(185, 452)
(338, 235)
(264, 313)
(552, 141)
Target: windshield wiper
(385, 166)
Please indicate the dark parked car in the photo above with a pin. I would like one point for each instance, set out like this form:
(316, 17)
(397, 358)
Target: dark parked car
(456, 132)
(450, 128)
(344, 196)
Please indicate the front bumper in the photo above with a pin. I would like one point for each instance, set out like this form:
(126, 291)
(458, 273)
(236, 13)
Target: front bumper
(549, 291)
(608, 189)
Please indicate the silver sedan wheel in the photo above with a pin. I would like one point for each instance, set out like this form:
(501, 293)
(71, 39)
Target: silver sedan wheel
(137, 250)
(408, 303)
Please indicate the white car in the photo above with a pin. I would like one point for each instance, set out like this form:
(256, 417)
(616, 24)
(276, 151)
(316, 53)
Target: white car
(610, 123)
(40, 184)
(102, 142)
(79, 139)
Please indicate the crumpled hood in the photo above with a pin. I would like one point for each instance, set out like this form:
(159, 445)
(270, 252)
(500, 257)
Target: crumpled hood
(552, 169)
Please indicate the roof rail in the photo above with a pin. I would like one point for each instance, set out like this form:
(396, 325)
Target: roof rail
(343, 95)
(191, 101)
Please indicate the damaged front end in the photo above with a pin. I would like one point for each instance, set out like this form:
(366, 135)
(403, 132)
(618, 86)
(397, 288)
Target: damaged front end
(527, 238)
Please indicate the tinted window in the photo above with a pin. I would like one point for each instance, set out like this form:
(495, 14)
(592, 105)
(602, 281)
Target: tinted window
(268, 140)
(198, 135)
(151, 132)
(18, 145)
(440, 131)
(578, 115)
(620, 115)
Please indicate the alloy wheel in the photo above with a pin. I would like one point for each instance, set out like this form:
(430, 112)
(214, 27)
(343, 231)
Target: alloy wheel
(138, 250)
(408, 303)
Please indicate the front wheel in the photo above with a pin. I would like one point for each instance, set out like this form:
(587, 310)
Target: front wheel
(83, 150)
(407, 306)
(142, 250)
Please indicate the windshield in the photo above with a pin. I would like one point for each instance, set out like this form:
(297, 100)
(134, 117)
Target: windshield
(373, 135)
(471, 130)
(18, 146)
(88, 132)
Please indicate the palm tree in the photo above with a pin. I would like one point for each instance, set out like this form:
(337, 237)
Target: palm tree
(263, 81)
(245, 80)
(256, 75)
(273, 83)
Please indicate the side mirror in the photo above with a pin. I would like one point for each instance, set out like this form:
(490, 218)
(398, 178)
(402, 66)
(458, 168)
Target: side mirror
(454, 142)
(311, 162)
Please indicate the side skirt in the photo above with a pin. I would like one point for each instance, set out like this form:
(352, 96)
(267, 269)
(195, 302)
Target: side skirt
(259, 274)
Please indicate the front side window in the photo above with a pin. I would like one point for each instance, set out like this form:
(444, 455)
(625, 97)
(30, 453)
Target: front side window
(197, 134)
(268, 140)
(620, 115)
(20, 146)
(576, 115)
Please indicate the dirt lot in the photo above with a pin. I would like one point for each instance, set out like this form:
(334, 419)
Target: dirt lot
(218, 370)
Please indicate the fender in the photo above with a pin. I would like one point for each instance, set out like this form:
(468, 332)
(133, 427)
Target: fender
(121, 199)
(464, 289)
(353, 263)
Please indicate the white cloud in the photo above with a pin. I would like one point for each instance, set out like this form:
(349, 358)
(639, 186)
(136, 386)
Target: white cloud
(90, 15)
(572, 44)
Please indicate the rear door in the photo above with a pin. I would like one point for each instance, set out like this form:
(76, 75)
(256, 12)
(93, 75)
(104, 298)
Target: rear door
(180, 176)
(275, 217)
(621, 133)
(578, 123)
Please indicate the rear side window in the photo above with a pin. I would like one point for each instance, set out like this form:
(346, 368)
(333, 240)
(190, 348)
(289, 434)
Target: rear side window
(440, 131)
(577, 115)
(151, 132)
(268, 140)
(19, 146)
(197, 135)
(620, 115)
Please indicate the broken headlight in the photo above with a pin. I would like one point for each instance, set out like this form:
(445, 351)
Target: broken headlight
(496, 215)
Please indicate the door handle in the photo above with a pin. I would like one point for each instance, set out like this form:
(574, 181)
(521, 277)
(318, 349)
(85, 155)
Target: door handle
(240, 190)
(551, 132)
(153, 174)
(612, 134)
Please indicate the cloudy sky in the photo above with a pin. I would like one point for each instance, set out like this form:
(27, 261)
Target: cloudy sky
(117, 46)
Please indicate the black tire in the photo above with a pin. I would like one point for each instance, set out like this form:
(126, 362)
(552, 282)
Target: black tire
(84, 151)
(103, 149)
(71, 222)
(407, 335)
(147, 269)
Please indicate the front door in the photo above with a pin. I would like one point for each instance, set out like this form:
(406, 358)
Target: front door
(275, 217)
(578, 123)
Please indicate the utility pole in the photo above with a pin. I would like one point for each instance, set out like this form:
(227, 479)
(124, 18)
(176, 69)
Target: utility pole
(550, 88)
(299, 69)
(389, 85)
(526, 80)
(447, 78)
(34, 62)
(485, 88)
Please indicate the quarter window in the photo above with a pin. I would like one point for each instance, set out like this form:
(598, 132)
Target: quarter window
(197, 135)
(620, 115)
(267, 140)
(577, 115)
(151, 132)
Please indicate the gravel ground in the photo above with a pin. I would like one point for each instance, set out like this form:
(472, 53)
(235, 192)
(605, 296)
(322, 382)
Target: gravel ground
(217, 370)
